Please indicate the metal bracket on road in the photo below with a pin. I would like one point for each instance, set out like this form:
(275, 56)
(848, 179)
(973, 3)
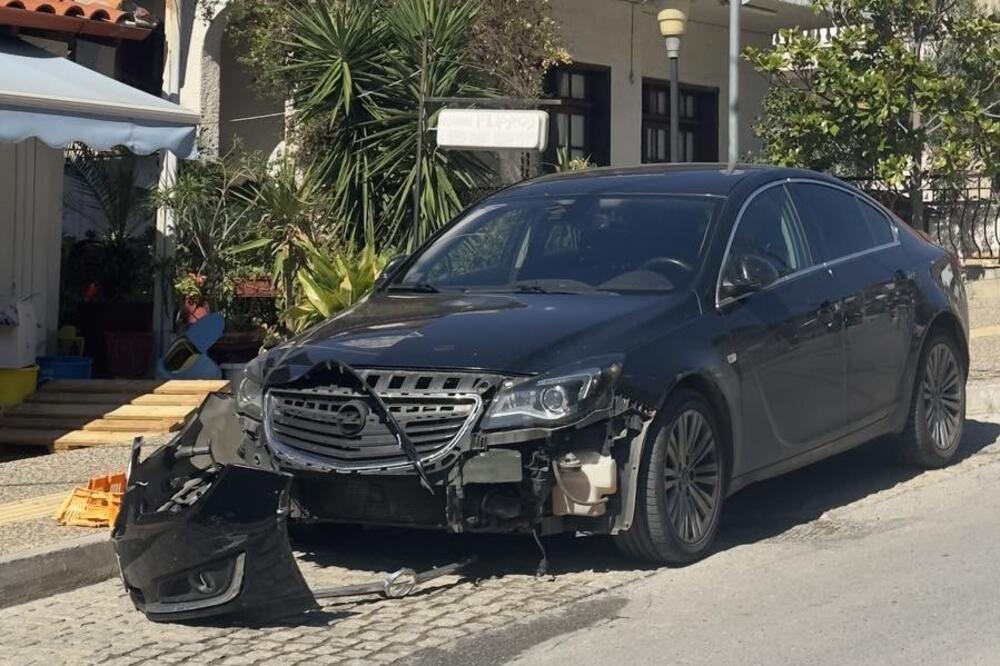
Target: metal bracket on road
(396, 585)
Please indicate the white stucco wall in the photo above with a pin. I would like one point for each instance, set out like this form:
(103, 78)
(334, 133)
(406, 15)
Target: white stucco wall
(31, 230)
(217, 85)
(258, 123)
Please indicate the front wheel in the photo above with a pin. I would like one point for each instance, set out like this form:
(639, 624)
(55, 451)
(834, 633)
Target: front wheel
(937, 412)
(680, 485)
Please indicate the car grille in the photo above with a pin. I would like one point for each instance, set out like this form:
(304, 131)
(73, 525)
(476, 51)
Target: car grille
(334, 426)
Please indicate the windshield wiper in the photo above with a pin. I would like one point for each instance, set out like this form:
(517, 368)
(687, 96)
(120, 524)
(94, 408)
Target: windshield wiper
(535, 288)
(531, 289)
(419, 287)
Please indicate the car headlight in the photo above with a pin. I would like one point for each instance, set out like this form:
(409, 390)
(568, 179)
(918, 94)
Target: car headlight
(554, 399)
(250, 391)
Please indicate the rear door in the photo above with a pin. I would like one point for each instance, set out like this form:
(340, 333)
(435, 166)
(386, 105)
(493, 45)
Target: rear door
(788, 338)
(860, 246)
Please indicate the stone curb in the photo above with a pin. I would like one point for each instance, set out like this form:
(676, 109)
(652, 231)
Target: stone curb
(42, 572)
(982, 398)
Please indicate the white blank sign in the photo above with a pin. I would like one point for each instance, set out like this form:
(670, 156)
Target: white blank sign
(492, 129)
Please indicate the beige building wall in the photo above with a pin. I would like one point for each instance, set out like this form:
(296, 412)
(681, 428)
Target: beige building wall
(625, 36)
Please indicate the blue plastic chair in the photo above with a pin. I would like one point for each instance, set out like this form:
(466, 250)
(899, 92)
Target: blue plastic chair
(187, 357)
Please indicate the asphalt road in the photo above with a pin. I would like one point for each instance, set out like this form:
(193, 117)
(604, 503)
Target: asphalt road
(847, 562)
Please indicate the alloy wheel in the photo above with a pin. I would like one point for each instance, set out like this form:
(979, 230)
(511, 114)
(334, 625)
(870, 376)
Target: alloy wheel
(692, 480)
(941, 394)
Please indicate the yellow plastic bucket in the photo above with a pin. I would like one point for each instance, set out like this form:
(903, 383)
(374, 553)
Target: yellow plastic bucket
(16, 385)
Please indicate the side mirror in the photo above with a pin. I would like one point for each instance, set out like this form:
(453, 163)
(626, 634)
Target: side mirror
(389, 270)
(748, 273)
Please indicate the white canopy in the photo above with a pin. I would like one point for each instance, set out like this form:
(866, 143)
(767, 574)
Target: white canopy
(60, 102)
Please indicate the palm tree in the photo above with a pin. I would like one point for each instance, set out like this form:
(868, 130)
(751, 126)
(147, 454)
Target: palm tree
(355, 70)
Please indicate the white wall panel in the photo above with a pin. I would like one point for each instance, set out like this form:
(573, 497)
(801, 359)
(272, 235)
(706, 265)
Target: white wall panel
(31, 176)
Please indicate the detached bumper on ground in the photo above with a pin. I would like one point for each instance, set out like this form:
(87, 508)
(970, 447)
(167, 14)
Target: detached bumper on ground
(202, 535)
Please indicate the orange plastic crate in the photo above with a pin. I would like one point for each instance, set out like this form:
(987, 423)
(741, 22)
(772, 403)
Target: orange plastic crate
(97, 505)
(112, 483)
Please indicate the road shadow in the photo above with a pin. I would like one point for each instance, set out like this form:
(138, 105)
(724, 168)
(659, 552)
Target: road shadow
(761, 511)
(377, 550)
(770, 508)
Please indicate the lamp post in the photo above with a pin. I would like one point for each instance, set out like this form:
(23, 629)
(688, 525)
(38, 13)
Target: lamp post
(673, 24)
(734, 82)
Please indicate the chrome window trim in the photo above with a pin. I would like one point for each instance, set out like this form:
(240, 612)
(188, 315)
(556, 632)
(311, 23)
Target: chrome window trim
(828, 265)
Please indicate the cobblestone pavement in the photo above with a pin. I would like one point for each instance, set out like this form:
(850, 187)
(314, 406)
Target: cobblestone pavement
(97, 624)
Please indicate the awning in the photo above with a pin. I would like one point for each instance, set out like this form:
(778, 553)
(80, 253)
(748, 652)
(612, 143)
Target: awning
(60, 102)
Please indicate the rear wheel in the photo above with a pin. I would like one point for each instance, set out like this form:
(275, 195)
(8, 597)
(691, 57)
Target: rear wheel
(937, 413)
(680, 485)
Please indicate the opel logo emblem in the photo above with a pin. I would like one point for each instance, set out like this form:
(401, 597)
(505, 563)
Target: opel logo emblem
(352, 418)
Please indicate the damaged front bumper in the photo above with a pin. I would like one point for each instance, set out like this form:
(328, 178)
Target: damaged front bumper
(458, 450)
(202, 535)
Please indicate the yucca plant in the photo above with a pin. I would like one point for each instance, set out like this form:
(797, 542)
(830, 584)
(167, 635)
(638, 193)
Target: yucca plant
(354, 67)
(330, 283)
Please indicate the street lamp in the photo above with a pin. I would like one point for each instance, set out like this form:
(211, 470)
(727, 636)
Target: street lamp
(673, 24)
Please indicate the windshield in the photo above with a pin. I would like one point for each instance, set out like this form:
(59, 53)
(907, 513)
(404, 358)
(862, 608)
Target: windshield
(585, 243)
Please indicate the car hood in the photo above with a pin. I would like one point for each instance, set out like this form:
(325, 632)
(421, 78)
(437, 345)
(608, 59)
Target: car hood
(505, 333)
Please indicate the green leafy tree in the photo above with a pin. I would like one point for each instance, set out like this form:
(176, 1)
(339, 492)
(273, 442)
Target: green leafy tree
(106, 189)
(902, 89)
(516, 42)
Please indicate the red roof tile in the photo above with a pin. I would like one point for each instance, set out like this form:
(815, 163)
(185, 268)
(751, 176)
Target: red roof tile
(99, 19)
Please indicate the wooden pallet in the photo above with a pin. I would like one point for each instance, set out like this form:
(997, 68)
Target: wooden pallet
(71, 414)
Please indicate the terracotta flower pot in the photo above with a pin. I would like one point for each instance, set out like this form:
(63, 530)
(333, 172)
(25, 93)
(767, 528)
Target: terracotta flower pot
(194, 309)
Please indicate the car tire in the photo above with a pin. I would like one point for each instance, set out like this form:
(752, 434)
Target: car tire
(678, 499)
(934, 424)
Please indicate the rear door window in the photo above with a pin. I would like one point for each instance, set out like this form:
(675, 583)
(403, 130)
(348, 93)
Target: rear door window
(878, 223)
(847, 225)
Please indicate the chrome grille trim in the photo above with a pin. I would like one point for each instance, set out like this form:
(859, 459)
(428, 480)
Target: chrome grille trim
(310, 427)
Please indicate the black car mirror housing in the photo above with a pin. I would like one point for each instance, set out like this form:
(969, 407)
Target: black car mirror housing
(390, 269)
(748, 273)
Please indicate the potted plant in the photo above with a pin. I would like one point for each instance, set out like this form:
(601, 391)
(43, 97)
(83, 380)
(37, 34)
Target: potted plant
(108, 274)
(190, 287)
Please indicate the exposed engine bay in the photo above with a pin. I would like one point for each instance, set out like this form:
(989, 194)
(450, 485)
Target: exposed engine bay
(454, 450)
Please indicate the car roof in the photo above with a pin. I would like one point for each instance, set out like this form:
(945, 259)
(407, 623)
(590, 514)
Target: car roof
(713, 179)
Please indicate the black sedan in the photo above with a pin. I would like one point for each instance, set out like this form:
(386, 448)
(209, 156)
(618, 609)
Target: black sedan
(617, 351)
(612, 352)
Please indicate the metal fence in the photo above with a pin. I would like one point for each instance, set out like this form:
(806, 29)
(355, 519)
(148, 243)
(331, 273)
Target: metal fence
(964, 217)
